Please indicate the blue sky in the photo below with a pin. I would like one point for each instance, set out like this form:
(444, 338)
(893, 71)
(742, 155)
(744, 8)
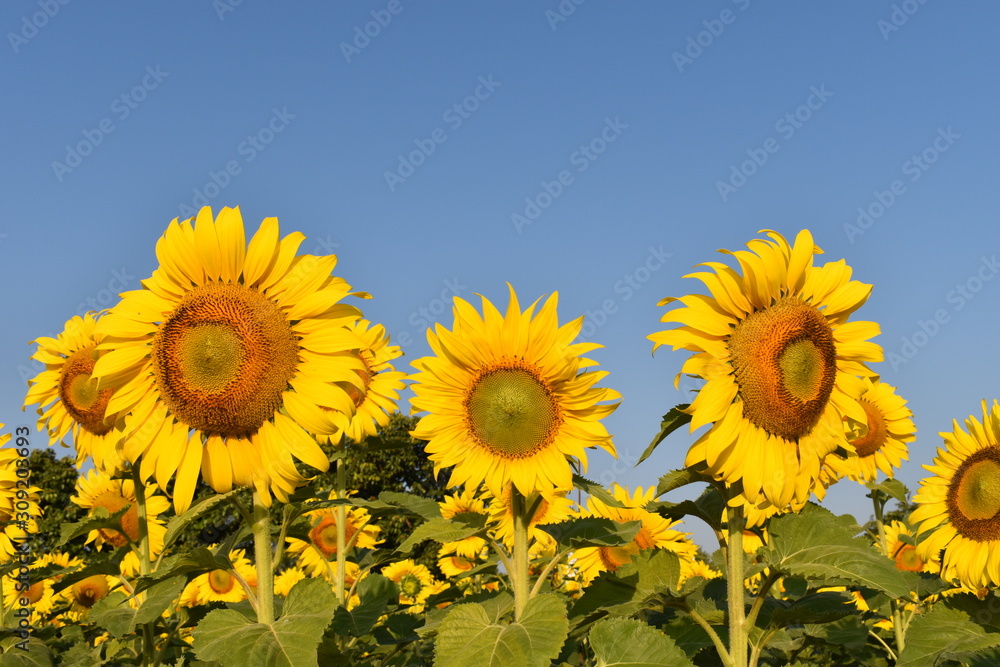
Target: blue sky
(599, 150)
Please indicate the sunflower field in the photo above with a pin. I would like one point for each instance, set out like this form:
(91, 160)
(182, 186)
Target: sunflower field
(248, 493)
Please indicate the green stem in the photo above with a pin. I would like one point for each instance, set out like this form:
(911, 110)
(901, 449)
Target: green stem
(727, 659)
(148, 650)
(547, 571)
(897, 621)
(262, 551)
(734, 582)
(341, 532)
(520, 556)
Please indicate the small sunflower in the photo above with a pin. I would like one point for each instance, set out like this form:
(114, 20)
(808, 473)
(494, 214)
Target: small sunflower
(69, 402)
(655, 533)
(224, 362)
(881, 442)
(38, 595)
(455, 566)
(467, 503)
(695, 567)
(782, 365)
(415, 581)
(958, 508)
(284, 582)
(382, 383)
(221, 585)
(318, 556)
(85, 593)
(899, 543)
(97, 489)
(19, 509)
(507, 401)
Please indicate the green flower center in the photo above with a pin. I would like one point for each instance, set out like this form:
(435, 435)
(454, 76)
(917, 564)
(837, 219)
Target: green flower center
(511, 412)
(410, 585)
(973, 498)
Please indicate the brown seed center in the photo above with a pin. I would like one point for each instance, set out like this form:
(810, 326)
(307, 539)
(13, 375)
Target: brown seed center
(79, 393)
(784, 361)
(973, 498)
(223, 359)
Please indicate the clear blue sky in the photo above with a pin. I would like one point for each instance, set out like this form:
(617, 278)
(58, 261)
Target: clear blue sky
(118, 117)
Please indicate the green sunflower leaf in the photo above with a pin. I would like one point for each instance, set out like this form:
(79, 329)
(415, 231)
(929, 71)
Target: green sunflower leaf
(179, 523)
(115, 615)
(892, 488)
(624, 642)
(30, 652)
(672, 421)
(99, 518)
(816, 545)
(375, 592)
(944, 634)
(229, 637)
(444, 530)
(592, 532)
(423, 507)
(468, 636)
(597, 491)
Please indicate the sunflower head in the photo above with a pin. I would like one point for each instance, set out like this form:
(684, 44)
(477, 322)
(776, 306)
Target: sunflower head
(507, 400)
(231, 359)
(655, 533)
(880, 443)
(781, 364)
(69, 399)
(958, 508)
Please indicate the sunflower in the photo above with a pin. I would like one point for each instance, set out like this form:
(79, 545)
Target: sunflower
(85, 593)
(695, 567)
(468, 503)
(881, 442)
(655, 533)
(782, 366)
(415, 581)
(899, 543)
(507, 400)
(382, 383)
(67, 396)
(97, 489)
(549, 509)
(224, 362)
(221, 585)
(455, 566)
(19, 510)
(284, 582)
(318, 556)
(38, 595)
(958, 508)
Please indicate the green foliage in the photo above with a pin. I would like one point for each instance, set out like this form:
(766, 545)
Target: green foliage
(471, 635)
(56, 477)
(944, 634)
(621, 642)
(229, 637)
